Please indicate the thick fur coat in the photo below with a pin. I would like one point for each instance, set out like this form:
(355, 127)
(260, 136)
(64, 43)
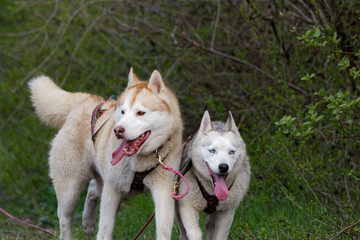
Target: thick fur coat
(143, 119)
(220, 165)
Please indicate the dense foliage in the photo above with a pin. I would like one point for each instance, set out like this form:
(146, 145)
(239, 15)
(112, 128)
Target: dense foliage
(288, 70)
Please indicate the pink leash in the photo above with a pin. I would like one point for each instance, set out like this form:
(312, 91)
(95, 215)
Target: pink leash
(26, 223)
(176, 184)
(143, 228)
(174, 193)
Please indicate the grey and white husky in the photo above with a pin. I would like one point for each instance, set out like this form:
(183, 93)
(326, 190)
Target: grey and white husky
(218, 172)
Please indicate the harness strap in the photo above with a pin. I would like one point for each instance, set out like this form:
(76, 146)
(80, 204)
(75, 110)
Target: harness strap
(96, 114)
(137, 183)
(186, 167)
(212, 201)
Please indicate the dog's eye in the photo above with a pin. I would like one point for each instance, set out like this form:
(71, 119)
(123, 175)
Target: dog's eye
(231, 152)
(140, 113)
(122, 112)
(212, 150)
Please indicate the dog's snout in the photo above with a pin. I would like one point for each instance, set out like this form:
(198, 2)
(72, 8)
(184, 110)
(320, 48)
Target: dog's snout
(119, 131)
(223, 168)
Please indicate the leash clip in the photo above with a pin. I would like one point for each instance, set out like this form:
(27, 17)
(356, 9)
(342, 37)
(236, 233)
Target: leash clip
(175, 186)
(158, 157)
(176, 183)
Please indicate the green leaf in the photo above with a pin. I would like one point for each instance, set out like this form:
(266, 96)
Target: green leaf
(344, 63)
(354, 73)
(317, 33)
(308, 77)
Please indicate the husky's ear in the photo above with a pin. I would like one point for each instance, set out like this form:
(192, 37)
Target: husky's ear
(206, 124)
(230, 124)
(156, 83)
(133, 79)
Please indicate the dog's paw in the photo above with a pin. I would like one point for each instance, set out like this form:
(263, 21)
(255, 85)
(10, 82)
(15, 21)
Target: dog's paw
(89, 227)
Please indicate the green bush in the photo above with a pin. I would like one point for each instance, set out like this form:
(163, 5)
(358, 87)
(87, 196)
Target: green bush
(288, 71)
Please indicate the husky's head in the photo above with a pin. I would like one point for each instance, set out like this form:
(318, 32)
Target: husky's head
(217, 148)
(143, 116)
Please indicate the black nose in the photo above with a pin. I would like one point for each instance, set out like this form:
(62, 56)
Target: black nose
(119, 132)
(223, 168)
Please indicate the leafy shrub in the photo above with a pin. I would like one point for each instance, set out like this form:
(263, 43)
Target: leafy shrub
(288, 71)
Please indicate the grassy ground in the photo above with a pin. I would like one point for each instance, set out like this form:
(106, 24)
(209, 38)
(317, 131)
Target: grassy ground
(258, 217)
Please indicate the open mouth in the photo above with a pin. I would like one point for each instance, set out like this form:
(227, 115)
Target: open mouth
(220, 188)
(129, 147)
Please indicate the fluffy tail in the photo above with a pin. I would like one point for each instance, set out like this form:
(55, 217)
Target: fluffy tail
(52, 104)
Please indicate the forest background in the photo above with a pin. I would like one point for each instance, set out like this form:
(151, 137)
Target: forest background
(288, 70)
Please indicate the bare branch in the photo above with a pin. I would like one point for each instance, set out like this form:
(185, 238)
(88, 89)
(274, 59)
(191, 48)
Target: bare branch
(303, 15)
(302, 176)
(344, 229)
(216, 52)
(88, 29)
(216, 24)
(309, 10)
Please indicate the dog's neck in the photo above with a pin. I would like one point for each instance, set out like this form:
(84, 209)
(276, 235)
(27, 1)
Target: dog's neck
(144, 162)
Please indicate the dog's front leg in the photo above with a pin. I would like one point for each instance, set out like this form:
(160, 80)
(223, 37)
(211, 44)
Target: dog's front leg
(164, 211)
(110, 199)
(179, 222)
(90, 207)
(190, 219)
(218, 225)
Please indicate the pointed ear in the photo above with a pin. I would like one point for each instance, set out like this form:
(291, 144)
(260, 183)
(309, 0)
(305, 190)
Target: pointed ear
(133, 79)
(206, 124)
(230, 124)
(156, 83)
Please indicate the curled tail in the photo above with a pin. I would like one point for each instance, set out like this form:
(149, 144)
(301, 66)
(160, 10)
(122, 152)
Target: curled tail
(53, 104)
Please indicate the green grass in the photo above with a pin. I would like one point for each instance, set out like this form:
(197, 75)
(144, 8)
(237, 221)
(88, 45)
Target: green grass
(258, 217)
(266, 218)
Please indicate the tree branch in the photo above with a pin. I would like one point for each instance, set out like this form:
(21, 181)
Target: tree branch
(216, 23)
(216, 52)
(344, 229)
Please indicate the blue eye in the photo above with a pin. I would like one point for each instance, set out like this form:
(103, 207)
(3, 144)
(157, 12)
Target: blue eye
(231, 152)
(212, 150)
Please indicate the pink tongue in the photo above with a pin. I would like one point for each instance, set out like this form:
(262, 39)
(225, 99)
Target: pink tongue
(119, 153)
(221, 190)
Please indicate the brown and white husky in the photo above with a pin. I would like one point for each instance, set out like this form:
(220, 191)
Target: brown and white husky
(125, 138)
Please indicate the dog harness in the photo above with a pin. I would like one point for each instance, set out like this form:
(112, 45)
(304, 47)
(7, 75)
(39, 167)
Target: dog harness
(96, 114)
(212, 201)
(137, 183)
